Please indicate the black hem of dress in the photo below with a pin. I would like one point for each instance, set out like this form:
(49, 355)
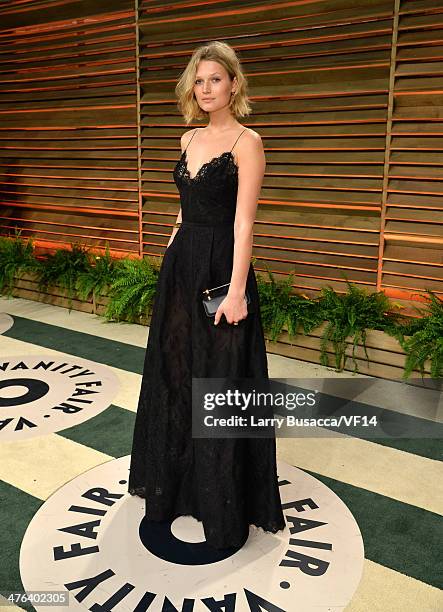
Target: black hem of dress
(140, 492)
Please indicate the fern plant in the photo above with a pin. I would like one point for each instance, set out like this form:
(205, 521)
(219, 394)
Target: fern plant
(350, 315)
(422, 338)
(63, 268)
(280, 306)
(274, 298)
(98, 277)
(16, 258)
(132, 290)
(304, 314)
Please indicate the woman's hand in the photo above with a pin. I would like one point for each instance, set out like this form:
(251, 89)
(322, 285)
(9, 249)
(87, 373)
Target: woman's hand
(233, 307)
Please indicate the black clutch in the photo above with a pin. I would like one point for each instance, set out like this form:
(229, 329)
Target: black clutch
(212, 298)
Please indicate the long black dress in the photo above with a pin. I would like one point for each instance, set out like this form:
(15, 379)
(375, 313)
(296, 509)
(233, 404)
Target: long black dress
(227, 484)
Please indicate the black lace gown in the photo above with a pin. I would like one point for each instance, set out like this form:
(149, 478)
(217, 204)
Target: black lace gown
(227, 484)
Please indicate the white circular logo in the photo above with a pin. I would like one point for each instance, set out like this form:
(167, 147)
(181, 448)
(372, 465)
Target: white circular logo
(6, 322)
(40, 394)
(91, 539)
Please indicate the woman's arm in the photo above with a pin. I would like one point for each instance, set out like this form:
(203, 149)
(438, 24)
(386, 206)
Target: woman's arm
(183, 142)
(175, 229)
(252, 164)
(251, 169)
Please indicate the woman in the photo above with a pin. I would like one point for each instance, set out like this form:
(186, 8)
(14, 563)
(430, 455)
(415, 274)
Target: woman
(228, 484)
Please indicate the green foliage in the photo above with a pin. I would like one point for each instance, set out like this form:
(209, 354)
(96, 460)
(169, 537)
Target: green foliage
(98, 276)
(280, 306)
(133, 289)
(63, 268)
(349, 315)
(16, 258)
(425, 341)
(304, 314)
(274, 297)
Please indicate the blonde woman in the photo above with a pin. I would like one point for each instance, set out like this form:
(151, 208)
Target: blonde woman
(227, 484)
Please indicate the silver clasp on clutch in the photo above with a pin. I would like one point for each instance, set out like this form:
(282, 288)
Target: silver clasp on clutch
(213, 288)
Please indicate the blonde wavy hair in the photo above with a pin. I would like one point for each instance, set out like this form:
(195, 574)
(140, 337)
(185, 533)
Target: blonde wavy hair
(225, 55)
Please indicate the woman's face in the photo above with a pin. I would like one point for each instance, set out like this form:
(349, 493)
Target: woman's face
(212, 86)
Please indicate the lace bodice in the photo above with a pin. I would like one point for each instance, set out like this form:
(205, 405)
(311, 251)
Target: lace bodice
(211, 195)
(206, 167)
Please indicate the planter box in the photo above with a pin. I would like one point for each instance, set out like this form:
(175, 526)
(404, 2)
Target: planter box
(386, 357)
(26, 287)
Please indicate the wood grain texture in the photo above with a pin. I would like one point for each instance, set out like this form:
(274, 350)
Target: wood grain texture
(348, 100)
(68, 123)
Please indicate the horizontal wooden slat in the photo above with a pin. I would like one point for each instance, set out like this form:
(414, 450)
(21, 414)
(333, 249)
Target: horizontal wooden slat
(348, 100)
(319, 90)
(68, 123)
(413, 250)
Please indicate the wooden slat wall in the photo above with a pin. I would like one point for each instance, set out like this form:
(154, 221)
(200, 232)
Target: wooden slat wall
(347, 98)
(413, 223)
(68, 122)
(321, 75)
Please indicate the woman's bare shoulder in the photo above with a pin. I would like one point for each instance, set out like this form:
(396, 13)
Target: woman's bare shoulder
(249, 143)
(252, 135)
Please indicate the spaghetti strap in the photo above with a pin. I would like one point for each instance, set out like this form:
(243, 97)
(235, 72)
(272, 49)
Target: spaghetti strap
(238, 137)
(190, 139)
